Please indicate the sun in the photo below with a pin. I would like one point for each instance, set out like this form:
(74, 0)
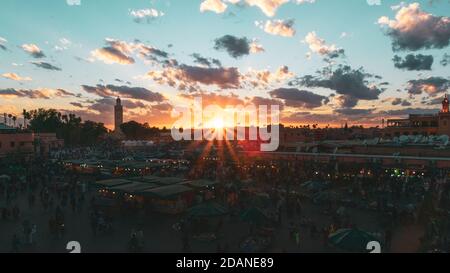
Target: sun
(218, 123)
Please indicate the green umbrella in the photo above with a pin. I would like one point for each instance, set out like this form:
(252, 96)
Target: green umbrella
(5, 177)
(207, 210)
(254, 215)
(351, 239)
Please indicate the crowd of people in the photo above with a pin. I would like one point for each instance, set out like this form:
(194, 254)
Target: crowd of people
(282, 190)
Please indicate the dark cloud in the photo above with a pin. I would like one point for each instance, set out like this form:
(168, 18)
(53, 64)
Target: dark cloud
(353, 111)
(445, 59)
(124, 91)
(299, 98)
(432, 101)
(223, 77)
(150, 52)
(431, 86)
(63, 93)
(415, 29)
(266, 101)
(77, 104)
(399, 101)
(353, 83)
(23, 93)
(209, 62)
(35, 93)
(414, 62)
(408, 111)
(47, 66)
(236, 47)
(307, 117)
(162, 107)
(106, 105)
(346, 101)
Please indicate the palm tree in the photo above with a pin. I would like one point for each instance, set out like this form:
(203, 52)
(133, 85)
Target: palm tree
(24, 114)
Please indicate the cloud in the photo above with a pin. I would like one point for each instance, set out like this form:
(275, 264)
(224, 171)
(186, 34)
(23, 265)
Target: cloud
(374, 2)
(445, 59)
(353, 83)
(284, 28)
(305, 1)
(294, 97)
(163, 107)
(112, 54)
(110, 90)
(15, 77)
(414, 29)
(33, 50)
(43, 93)
(255, 47)
(432, 86)
(222, 77)
(353, 111)
(268, 7)
(207, 62)
(3, 41)
(408, 111)
(236, 47)
(150, 53)
(414, 62)
(105, 105)
(77, 104)
(319, 46)
(120, 52)
(73, 2)
(216, 6)
(145, 15)
(257, 101)
(263, 78)
(186, 77)
(400, 101)
(47, 66)
(346, 101)
(63, 44)
(211, 98)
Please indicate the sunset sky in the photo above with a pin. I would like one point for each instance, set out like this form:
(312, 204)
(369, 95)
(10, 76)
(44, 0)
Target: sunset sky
(322, 61)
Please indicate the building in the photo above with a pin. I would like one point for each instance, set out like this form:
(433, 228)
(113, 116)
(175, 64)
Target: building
(15, 142)
(26, 143)
(430, 124)
(46, 142)
(118, 115)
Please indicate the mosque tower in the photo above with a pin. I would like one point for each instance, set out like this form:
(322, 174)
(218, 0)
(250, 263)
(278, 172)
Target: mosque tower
(118, 115)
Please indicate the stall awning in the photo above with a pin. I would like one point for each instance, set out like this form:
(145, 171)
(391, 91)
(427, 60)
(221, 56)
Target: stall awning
(133, 187)
(167, 191)
(112, 182)
(146, 179)
(201, 183)
(168, 180)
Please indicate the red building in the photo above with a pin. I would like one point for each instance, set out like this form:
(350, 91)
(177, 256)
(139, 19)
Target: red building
(433, 124)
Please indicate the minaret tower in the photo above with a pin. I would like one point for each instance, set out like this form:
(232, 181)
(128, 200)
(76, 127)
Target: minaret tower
(445, 105)
(118, 115)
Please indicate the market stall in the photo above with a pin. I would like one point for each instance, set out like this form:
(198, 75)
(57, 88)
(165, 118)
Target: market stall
(172, 199)
(205, 189)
